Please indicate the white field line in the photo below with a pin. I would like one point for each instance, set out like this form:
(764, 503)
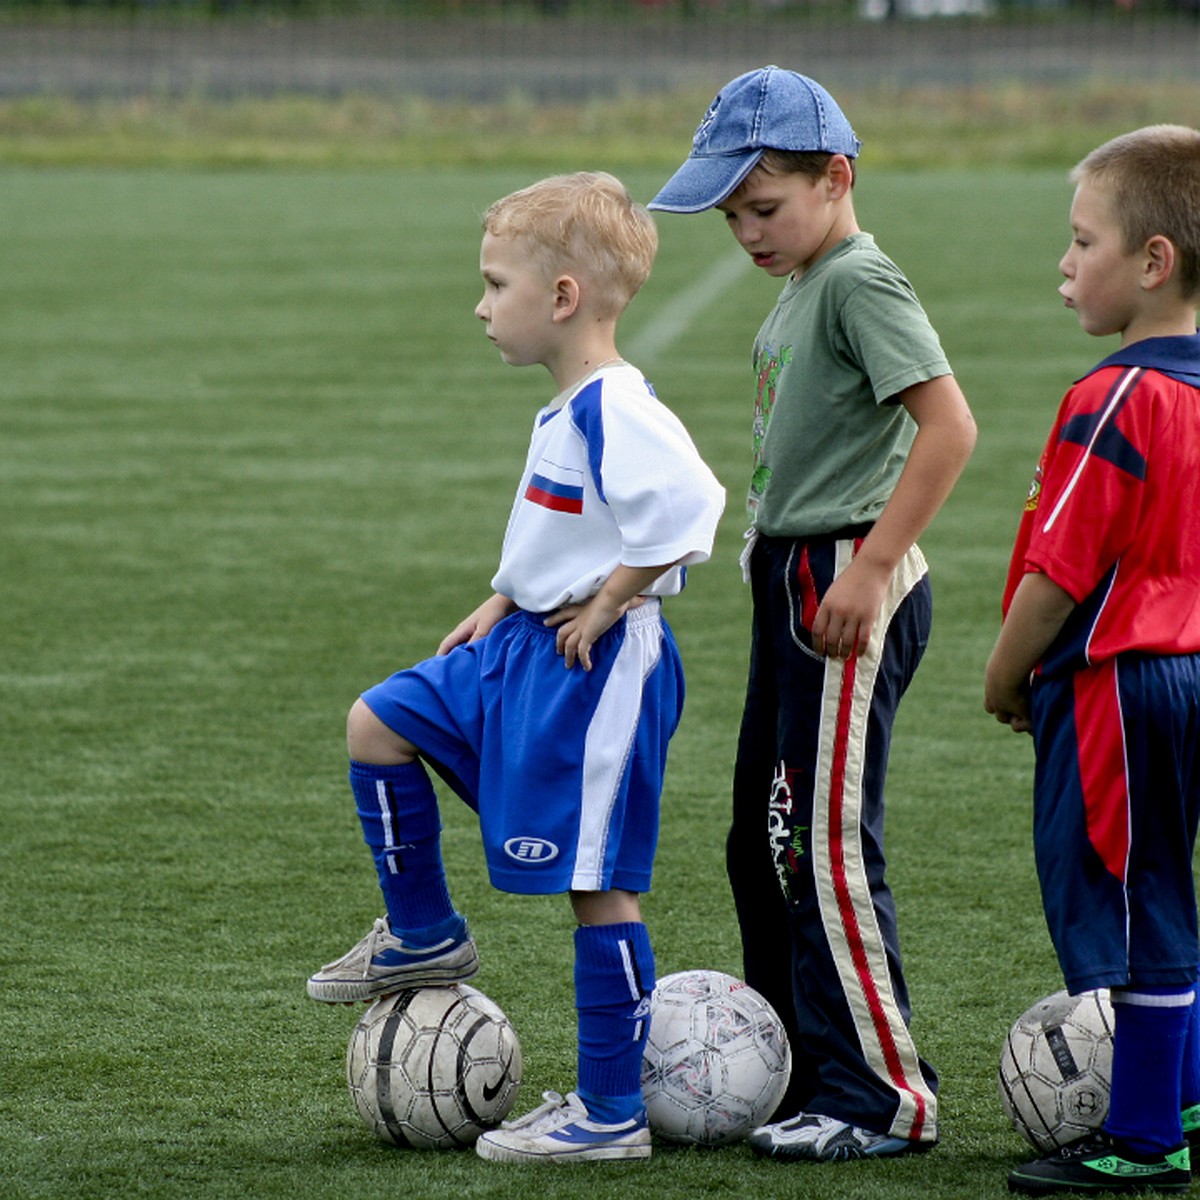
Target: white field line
(679, 315)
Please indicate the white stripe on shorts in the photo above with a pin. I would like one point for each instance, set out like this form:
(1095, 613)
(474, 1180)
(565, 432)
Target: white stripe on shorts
(610, 740)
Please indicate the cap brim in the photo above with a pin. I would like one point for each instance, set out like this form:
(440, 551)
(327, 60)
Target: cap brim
(704, 181)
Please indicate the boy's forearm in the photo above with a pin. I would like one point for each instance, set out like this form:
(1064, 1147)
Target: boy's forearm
(943, 444)
(627, 582)
(938, 455)
(1038, 611)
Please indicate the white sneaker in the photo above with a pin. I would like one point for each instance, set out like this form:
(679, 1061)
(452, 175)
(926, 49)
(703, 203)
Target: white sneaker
(560, 1131)
(826, 1139)
(381, 964)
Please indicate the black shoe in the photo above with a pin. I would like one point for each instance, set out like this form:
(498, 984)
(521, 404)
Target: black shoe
(1098, 1163)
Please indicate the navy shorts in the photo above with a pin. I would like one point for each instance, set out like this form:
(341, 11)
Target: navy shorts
(1116, 803)
(564, 767)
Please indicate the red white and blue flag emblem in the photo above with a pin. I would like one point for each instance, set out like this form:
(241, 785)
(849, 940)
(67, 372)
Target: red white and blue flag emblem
(555, 487)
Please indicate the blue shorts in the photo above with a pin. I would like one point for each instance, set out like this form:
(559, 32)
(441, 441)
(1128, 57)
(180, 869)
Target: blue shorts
(1116, 804)
(564, 767)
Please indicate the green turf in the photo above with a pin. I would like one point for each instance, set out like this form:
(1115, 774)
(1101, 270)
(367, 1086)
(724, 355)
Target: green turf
(981, 124)
(255, 454)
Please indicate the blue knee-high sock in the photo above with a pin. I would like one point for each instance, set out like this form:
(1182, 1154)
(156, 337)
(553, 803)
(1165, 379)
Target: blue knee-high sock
(1149, 1031)
(614, 977)
(1190, 1080)
(398, 810)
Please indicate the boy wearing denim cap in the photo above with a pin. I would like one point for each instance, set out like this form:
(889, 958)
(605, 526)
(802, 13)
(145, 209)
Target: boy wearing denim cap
(1099, 657)
(859, 434)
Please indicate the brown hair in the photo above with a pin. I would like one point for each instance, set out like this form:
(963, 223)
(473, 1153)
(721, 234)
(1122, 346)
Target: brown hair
(811, 163)
(1153, 177)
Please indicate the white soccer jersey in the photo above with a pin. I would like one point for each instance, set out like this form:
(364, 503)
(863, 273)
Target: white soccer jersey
(612, 478)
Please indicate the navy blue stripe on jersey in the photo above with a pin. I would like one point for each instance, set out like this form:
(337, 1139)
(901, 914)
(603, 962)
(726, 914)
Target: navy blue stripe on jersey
(1098, 433)
(1177, 357)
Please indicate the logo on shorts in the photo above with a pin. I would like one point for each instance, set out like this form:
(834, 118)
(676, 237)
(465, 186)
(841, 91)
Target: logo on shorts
(530, 850)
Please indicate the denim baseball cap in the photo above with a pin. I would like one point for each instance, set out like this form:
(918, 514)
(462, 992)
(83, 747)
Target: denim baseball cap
(767, 109)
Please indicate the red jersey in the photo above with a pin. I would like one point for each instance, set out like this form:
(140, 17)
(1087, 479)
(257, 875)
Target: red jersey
(1113, 516)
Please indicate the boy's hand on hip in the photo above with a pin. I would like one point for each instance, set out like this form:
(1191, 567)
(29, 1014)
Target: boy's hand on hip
(492, 611)
(579, 626)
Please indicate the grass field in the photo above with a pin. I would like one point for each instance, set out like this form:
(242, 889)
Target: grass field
(256, 453)
(913, 126)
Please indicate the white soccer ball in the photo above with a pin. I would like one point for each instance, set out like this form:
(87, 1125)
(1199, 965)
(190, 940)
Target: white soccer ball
(1056, 1068)
(717, 1059)
(433, 1068)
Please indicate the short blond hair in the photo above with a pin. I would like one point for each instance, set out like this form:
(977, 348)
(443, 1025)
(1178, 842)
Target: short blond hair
(588, 223)
(1153, 177)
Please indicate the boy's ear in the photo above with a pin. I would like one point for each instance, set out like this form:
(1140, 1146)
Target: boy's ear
(840, 175)
(1159, 262)
(566, 297)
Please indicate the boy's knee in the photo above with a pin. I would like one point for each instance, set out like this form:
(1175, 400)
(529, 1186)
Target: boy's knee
(369, 740)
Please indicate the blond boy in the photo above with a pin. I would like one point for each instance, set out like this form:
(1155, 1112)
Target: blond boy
(549, 709)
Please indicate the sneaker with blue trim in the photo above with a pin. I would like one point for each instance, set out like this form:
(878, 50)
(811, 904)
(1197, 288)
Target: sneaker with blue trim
(815, 1138)
(560, 1131)
(382, 963)
(1099, 1163)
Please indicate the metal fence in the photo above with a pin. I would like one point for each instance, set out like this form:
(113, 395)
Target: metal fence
(569, 49)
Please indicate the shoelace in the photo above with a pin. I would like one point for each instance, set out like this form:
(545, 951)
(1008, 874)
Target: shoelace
(554, 1104)
(378, 928)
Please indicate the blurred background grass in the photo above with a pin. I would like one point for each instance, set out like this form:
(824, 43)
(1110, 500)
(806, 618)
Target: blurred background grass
(542, 82)
(1000, 124)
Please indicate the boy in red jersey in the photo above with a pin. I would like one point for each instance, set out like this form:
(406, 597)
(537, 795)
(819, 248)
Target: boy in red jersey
(1099, 656)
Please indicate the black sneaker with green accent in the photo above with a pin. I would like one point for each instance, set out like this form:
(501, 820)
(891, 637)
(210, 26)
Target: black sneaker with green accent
(1191, 1125)
(1191, 1131)
(1098, 1163)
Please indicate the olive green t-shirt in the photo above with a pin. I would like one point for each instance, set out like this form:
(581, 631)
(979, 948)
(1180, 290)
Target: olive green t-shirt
(830, 438)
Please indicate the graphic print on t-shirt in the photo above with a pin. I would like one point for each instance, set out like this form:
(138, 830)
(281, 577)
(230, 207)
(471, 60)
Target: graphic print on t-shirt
(768, 366)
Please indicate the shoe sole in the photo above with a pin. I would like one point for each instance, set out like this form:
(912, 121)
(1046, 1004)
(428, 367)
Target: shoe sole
(363, 991)
(796, 1154)
(499, 1153)
(1033, 1185)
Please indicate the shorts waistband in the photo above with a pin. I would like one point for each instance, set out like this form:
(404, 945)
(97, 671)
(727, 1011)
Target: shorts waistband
(646, 613)
(849, 533)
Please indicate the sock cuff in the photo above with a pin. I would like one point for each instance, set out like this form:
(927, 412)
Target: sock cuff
(615, 953)
(613, 1110)
(394, 771)
(1182, 996)
(401, 797)
(595, 939)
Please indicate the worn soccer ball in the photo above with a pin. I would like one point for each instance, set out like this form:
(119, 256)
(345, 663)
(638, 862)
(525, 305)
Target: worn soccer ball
(717, 1059)
(433, 1068)
(1056, 1068)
